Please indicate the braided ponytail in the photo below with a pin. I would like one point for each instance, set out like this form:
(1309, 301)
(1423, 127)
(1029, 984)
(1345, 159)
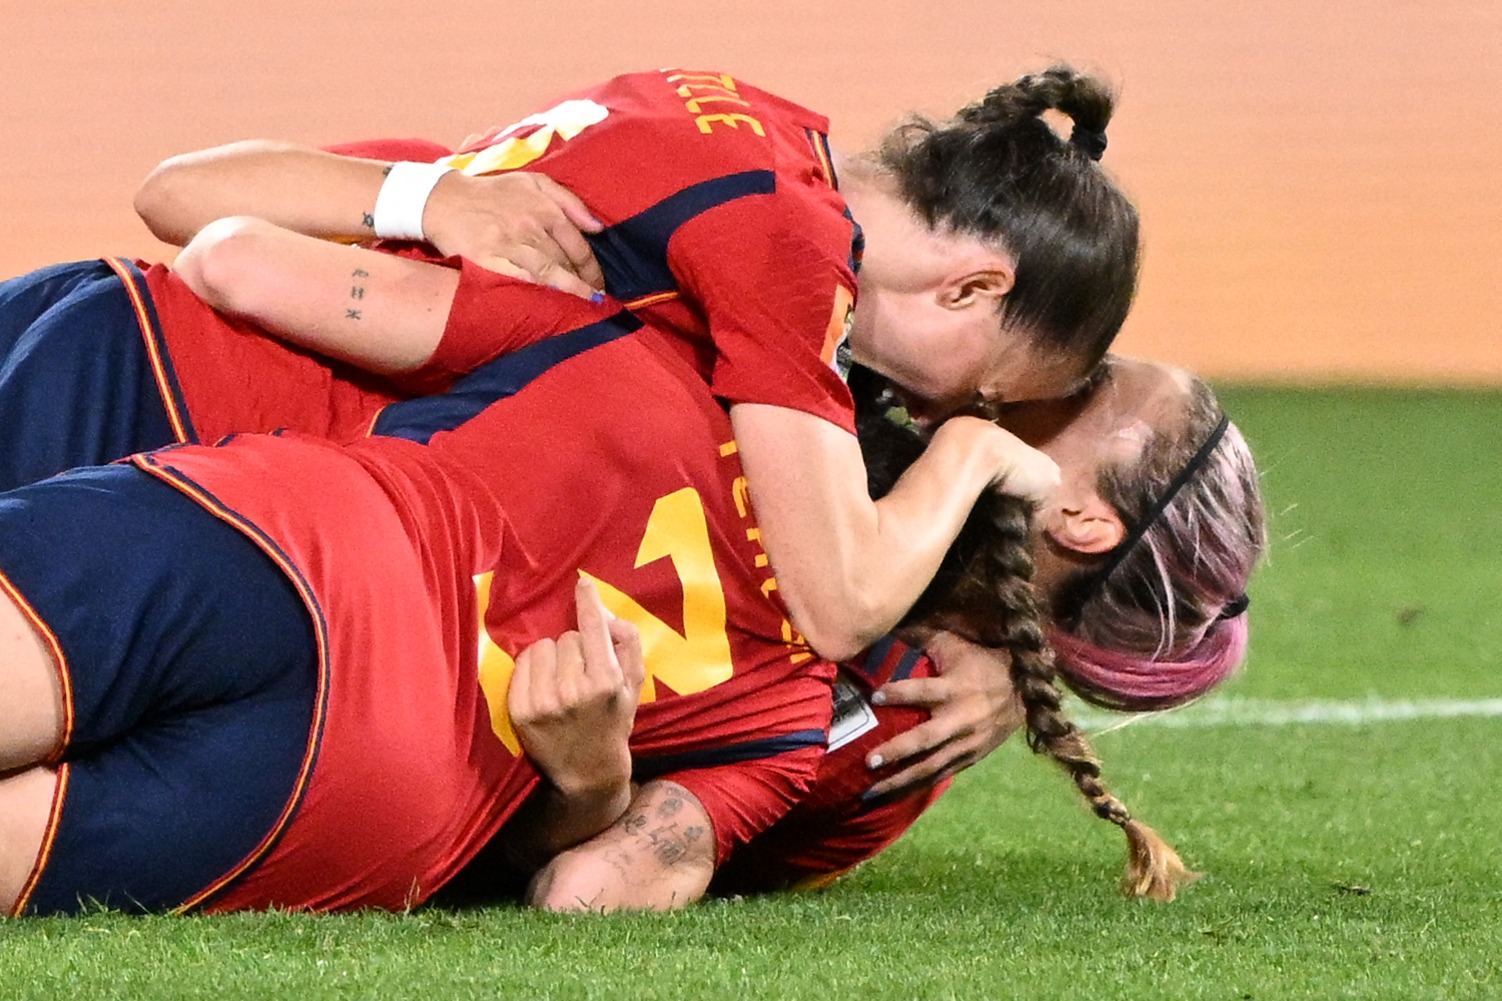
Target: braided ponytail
(985, 582)
(997, 171)
(1153, 869)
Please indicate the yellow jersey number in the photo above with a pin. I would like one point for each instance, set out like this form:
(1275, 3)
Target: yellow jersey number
(692, 661)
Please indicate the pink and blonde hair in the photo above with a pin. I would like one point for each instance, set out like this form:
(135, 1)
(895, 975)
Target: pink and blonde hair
(1163, 620)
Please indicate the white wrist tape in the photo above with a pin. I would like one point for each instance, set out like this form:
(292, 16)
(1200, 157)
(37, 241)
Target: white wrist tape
(403, 196)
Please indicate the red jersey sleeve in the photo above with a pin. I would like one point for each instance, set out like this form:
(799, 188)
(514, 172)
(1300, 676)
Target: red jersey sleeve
(493, 314)
(746, 798)
(810, 857)
(833, 829)
(774, 277)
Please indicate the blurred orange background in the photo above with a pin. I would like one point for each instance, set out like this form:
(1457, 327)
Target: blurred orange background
(1321, 184)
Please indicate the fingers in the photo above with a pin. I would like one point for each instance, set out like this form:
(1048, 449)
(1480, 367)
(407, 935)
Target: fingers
(1034, 477)
(503, 266)
(529, 264)
(567, 232)
(930, 755)
(944, 648)
(573, 208)
(594, 632)
(570, 680)
(558, 256)
(925, 692)
(923, 739)
(628, 653)
(547, 238)
(537, 660)
(556, 276)
(926, 772)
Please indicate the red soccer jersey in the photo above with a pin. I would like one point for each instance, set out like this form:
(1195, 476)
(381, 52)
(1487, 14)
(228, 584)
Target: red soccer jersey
(722, 224)
(416, 765)
(403, 772)
(832, 829)
(221, 376)
(644, 493)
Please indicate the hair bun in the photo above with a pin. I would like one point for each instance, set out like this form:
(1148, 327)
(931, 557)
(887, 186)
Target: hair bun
(1091, 141)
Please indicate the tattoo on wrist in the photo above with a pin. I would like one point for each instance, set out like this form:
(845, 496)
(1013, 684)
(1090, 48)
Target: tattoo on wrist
(367, 219)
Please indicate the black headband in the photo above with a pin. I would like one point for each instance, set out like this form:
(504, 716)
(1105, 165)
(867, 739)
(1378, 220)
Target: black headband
(1113, 560)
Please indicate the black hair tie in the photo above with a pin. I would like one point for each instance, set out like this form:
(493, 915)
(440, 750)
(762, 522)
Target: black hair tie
(1091, 141)
(1235, 607)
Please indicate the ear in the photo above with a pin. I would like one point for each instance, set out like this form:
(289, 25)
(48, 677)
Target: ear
(966, 290)
(1092, 527)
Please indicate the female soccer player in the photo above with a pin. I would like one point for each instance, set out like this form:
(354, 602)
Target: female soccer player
(156, 720)
(999, 263)
(691, 245)
(252, 673)
(1108, 446)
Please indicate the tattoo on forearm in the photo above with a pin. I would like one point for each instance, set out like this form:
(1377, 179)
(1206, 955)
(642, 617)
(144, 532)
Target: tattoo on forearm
(356, 291)
(663, 837)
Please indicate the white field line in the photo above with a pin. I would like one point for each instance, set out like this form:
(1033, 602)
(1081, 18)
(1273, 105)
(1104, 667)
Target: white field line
(1270, 712)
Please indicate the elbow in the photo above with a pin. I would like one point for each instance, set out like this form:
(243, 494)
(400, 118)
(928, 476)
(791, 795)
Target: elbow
(217, 263)
(159, 198)
(842, 633)
(836, 645)
(582, 881)
(570, 882)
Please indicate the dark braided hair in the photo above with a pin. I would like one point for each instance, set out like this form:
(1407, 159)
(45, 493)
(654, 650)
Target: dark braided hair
(984, 591)
(999, 172)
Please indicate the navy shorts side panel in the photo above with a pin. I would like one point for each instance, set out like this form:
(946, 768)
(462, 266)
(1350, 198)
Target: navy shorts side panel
(77, 385)
(193, 668)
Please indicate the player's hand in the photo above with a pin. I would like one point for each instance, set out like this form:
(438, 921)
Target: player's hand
(1029, 473)
(972, 710)
(573, 700)
(520, 224)
(1015, 467)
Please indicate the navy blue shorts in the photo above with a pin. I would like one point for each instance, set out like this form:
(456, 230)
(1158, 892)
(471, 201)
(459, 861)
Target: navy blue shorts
(82, 371)
(191, 670)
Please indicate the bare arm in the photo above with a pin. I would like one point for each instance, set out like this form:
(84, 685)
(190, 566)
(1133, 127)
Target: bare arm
(659, 855)
(849, 567)
(306, 190)
(379, 312)
(521, 224)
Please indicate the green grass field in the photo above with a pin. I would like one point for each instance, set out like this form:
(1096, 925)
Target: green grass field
(1354, 857)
